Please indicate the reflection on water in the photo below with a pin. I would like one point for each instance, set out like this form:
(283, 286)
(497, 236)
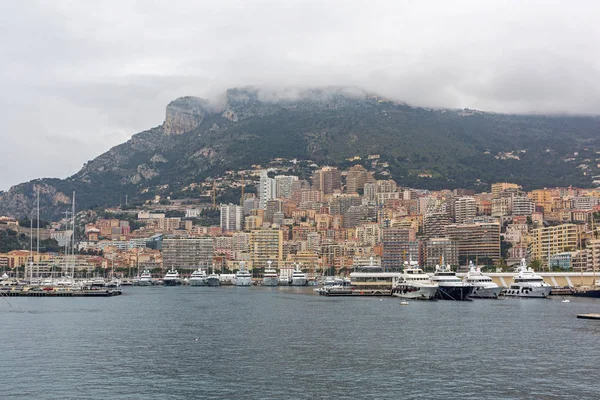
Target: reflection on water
(287, 343)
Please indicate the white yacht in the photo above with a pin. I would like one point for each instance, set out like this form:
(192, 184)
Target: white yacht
(243, 277)
(450, 287)
(373, 279)
(283, 281)
(298, 278)
(213, 280)
(414, 283)
(145, 278)
(528, 284)
(227, 279)
(198, 278)
(483, 286)
(172, 278)
(270, 277)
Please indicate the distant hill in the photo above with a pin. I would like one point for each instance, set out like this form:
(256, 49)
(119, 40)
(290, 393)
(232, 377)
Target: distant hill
(424, 148)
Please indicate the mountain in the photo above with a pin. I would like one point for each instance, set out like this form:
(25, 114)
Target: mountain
(423, 147)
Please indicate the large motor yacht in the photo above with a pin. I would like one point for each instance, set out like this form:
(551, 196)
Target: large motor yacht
(528, 284)
(198, 278)
(243, 277)
(483, 286)
(172, 278)
(372, 278)
(298, 278)
(450, 287)
(145, 278)
(213, 280)
(270, 277)
(414, 283)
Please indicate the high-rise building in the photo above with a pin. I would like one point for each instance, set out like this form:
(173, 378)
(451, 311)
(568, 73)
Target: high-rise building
(396, 247)
(266, 189)
(187, 253)
(584, 203)
(464, 208)
(283, 186)
(313, 242)
(232, 217)
(499, 187)
(338, 205)
(476, 241)
(327, 180)
(266, 245)
(250, 203)
(522, 205)
(441, 249)
(272, 207)
(435, 223)
(552, 240)
(370, 192)
(356, 178)
(386, 186)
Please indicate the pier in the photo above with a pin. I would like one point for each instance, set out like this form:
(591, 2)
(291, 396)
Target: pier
(353, 292)
(61, 293)
(589, 316)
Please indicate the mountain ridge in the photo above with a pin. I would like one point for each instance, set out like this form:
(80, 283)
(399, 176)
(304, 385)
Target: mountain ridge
(456, 148)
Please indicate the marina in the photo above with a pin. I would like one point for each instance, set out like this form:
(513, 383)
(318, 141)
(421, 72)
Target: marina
(244, 318)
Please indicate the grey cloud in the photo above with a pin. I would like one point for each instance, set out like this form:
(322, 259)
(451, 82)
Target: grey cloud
(81, 77)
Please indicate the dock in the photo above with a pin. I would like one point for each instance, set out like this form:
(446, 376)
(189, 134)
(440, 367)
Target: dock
(61, 293)
(589, 316)
(353, 292)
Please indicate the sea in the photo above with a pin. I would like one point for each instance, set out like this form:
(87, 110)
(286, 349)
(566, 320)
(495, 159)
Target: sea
(290, 343)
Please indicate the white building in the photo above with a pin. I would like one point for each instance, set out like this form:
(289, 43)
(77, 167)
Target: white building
(267, 189)
(283, 186)
(232, 217)
(465, 209)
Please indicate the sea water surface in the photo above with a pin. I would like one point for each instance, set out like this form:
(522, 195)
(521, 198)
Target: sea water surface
(288, 343)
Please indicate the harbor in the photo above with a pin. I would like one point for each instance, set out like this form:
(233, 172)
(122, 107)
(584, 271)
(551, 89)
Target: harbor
(290, 329)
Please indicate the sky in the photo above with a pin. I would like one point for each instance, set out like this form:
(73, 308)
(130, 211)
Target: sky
(79, 77)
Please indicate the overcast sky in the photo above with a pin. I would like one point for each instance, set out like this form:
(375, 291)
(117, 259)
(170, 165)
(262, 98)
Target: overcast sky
(79, 77)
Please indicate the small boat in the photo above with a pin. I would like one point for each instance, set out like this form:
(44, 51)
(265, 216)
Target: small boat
(404, 303)
(566, 301)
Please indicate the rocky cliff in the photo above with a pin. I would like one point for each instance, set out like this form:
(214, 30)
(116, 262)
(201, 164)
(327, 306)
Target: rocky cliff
(184, 114)
(426, 148)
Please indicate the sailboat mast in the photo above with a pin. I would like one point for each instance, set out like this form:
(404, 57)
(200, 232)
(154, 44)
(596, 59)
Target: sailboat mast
(30, 250)
(38, 234)
(73, 240)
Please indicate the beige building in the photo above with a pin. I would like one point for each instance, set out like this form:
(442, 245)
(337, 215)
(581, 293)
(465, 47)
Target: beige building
(500, 187)
(476, 241)
(553, 240)
(265, 245)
